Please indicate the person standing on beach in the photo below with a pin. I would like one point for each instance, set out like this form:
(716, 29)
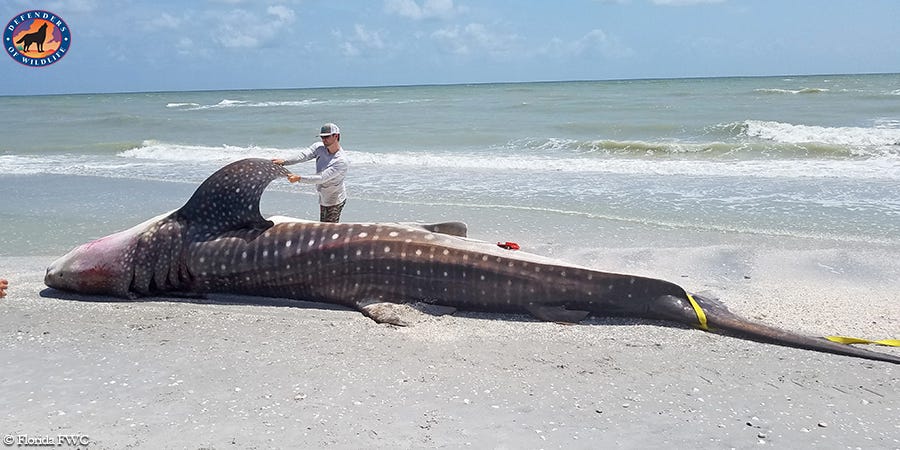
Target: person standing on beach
(331, 168)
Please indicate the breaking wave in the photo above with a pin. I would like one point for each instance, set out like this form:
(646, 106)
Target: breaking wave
(792, 91)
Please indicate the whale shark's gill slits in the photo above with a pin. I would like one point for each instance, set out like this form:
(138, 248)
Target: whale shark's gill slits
(156, 254)
(143, 263)
(168, 244)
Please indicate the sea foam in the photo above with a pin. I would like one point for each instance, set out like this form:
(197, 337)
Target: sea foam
(862, 141)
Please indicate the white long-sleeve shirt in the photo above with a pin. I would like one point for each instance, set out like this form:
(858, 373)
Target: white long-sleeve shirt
(330, 172)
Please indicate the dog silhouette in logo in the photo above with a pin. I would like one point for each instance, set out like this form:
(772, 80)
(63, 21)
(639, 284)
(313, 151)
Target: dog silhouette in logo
(37, 37)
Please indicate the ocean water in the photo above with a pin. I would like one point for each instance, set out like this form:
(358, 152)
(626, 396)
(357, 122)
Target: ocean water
(812, 157)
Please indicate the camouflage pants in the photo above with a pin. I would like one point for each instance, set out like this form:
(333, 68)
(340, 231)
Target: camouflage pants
(331, 213)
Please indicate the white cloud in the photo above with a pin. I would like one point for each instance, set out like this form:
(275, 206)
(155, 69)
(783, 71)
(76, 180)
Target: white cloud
(164, 21)
(594, 42)
(451, 39)
(598, 41)
(244, 29)
(283, 13)
(349, 50)
(475, 38)
(481, 39)
(372, 39)
(186, 47)
(429, 9)
(360, 40)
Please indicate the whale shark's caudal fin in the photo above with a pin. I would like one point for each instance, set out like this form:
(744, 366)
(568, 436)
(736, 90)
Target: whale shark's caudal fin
(229, 198)
(722, 320)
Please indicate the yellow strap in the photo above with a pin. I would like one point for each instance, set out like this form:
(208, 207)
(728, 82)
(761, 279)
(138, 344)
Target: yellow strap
(701, 316)
(853, 340)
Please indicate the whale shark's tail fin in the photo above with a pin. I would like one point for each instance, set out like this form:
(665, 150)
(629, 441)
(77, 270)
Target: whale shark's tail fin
(720, 318)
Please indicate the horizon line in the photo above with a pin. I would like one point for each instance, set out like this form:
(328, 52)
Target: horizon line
(474, 83)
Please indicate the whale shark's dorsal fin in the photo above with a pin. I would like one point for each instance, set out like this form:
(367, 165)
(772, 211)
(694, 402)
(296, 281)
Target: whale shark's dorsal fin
(229, 198)
(452, 228)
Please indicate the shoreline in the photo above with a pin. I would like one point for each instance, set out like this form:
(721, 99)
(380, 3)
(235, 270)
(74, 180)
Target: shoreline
(552, 233)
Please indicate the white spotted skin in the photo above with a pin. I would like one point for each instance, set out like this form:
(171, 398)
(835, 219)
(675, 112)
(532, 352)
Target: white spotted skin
(219, 242)
(350, 263)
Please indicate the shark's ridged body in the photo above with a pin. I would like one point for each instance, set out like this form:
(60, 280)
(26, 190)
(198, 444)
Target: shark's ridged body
(219, 242)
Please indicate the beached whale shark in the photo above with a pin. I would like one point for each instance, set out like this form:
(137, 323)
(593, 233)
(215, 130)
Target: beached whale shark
(218, 242)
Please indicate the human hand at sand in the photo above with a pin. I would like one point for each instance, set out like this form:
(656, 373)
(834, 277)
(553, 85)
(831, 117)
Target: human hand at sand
(4, 285)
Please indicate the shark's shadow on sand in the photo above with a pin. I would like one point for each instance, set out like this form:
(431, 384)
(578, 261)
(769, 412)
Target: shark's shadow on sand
(198, 299)
(423, 310)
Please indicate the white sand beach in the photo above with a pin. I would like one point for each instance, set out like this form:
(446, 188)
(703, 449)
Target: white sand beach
(230, 372)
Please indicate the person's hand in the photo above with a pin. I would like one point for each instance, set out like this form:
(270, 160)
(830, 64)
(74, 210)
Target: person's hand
(293, 178)
(4, 285)
(280, 162)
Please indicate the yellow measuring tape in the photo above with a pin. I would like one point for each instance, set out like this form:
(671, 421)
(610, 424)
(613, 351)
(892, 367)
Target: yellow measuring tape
(853, 340)
(701, 317)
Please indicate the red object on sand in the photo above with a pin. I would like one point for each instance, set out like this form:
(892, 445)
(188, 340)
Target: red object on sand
(508, 245)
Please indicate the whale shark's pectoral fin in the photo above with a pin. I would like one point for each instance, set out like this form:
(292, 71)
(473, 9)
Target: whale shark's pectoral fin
(384, 312)
(557, 313)
(401, 314)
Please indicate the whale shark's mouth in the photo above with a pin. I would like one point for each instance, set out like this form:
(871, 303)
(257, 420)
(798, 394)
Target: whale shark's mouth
(96, 279)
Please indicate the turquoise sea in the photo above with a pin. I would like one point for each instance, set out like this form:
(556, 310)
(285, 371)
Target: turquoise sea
(807, 157)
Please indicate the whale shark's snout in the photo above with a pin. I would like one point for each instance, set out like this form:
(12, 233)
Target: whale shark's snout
(98, 267)
(104, 266)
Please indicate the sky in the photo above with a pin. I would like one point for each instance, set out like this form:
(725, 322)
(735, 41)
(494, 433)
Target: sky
(176, 45)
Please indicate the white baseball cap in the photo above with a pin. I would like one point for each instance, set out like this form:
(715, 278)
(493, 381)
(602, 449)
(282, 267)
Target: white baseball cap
(328, 129)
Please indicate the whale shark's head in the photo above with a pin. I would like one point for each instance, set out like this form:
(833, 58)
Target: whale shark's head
(104, 266)
(144, 259)
(99, 267)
